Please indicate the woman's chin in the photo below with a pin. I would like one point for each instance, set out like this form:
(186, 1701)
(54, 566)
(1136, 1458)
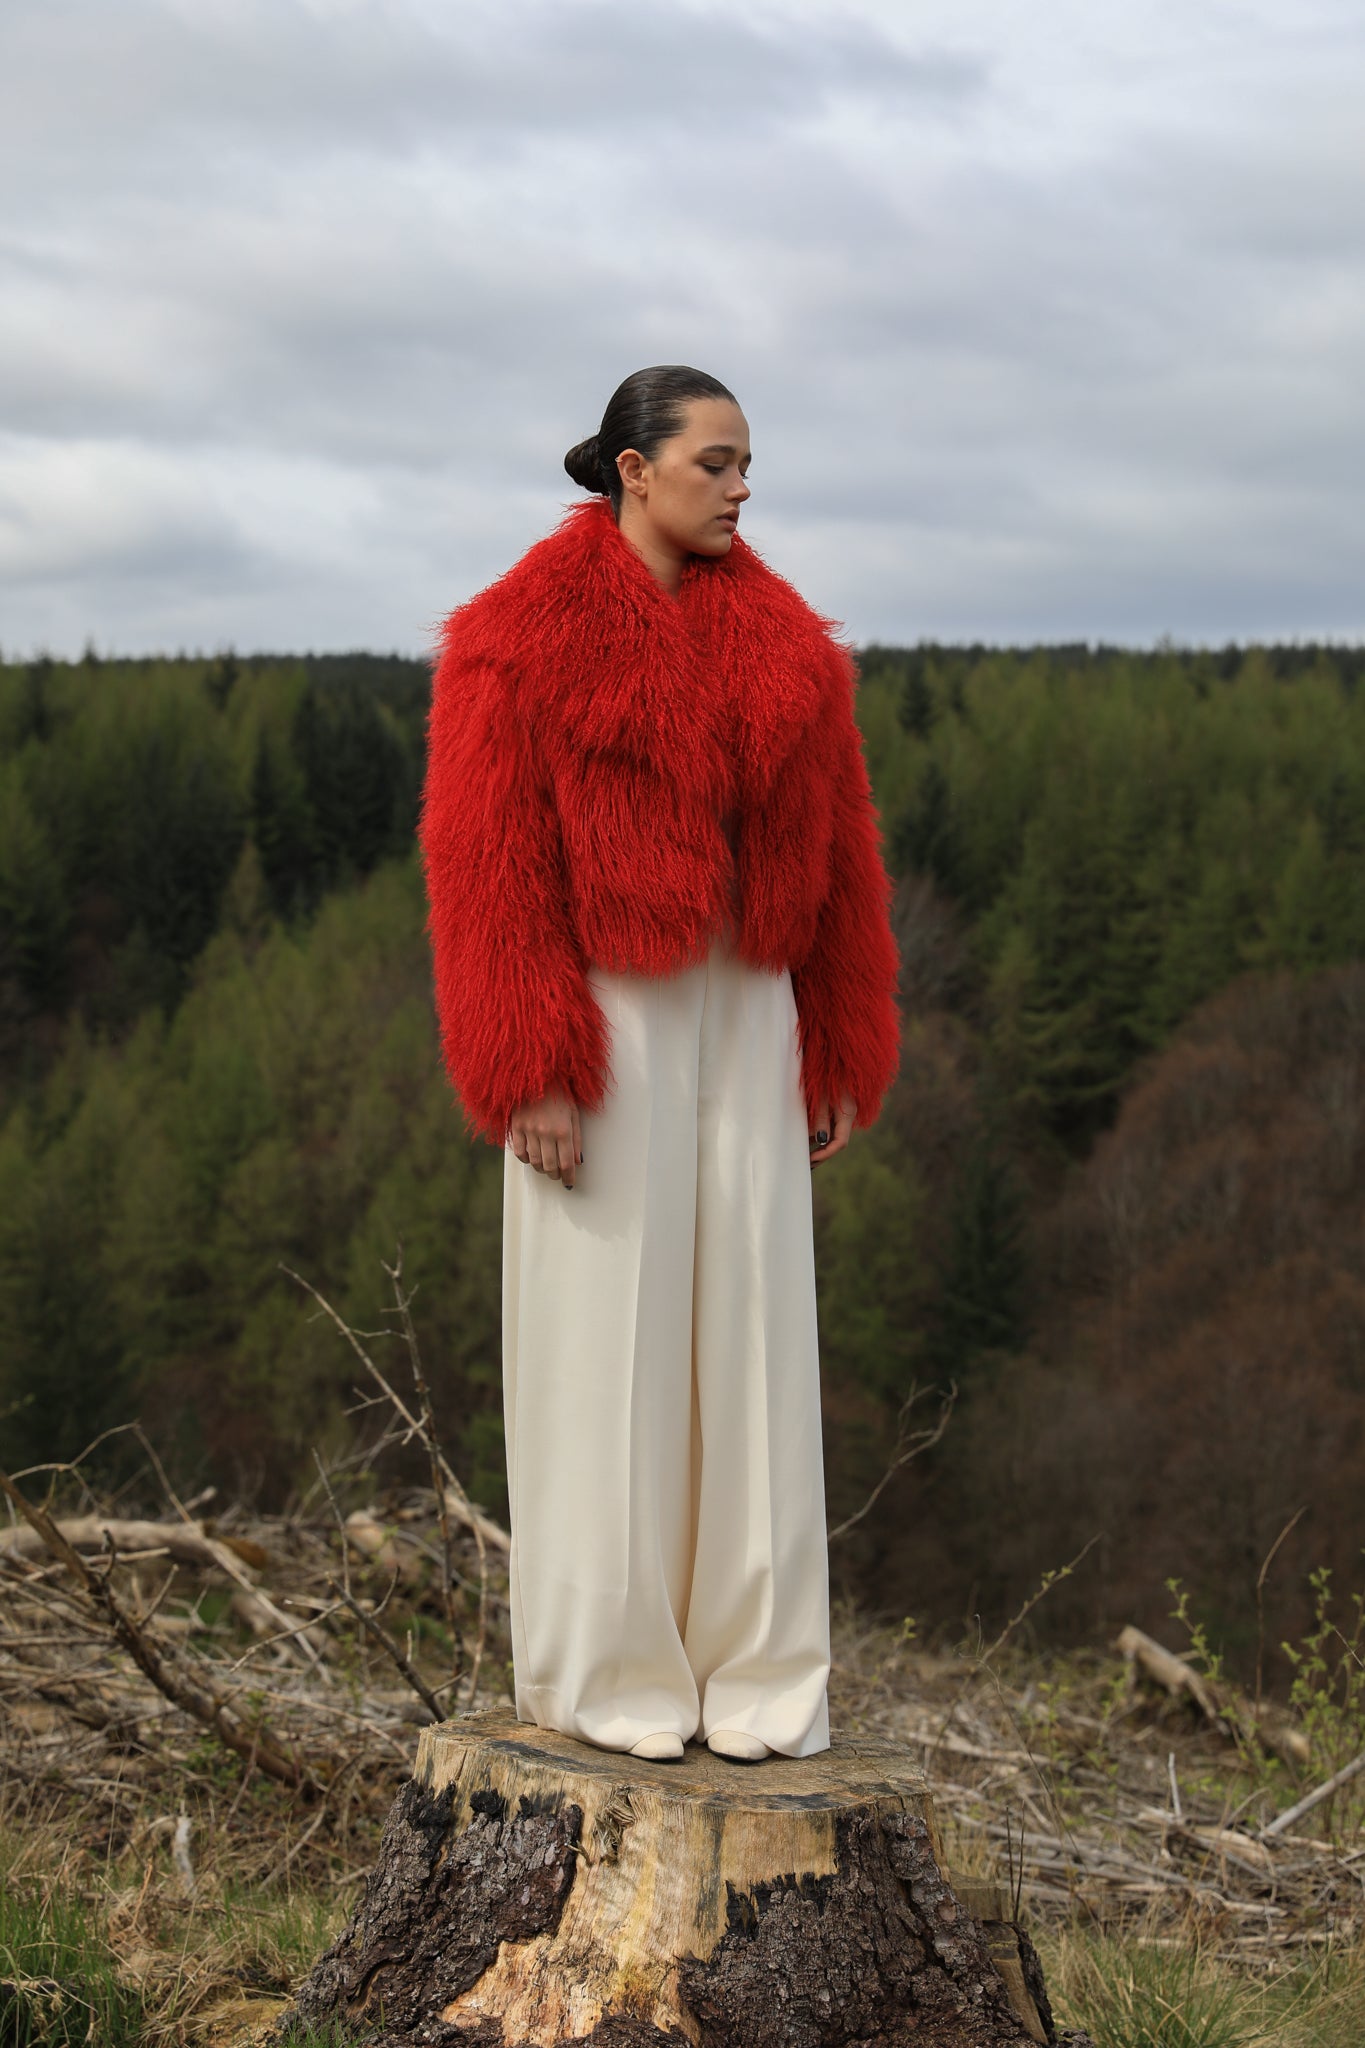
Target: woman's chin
(715, 544)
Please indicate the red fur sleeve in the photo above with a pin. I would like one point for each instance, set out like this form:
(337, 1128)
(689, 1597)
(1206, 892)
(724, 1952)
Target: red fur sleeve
(517, 1016)
(846, 987)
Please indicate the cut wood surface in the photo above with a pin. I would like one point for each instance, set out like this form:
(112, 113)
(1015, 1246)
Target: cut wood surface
(532, 1890)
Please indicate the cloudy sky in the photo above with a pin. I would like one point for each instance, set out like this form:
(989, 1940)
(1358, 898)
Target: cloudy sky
(1049, 321)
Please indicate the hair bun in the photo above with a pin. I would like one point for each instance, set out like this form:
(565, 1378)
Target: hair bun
(584, 464)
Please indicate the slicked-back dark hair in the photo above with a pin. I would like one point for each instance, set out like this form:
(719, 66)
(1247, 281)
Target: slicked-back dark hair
(642, 413)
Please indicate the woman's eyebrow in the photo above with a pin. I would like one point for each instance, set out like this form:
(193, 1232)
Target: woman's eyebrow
(720, 448)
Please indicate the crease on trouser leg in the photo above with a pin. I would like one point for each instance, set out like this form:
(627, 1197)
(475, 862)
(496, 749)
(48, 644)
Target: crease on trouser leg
(598, 1393)
(758, 1624)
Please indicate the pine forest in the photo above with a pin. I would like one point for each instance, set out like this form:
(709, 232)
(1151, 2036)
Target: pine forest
(1107, 1232)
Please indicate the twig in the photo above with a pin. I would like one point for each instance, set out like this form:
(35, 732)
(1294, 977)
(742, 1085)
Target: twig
(480, 1526)
(171, 1678)
(1040, 1592)
(473, 1518)
(906, 1447)
(401, 1664)
(1286, 1820)
(285, 1635)
(274, 1875)
(180, 1855)
(368, 1621)
(333, 1711)
(428, 1414)
(1287, 1530)
(337, 1518)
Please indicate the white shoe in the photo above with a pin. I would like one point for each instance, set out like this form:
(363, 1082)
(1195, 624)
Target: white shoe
(659, 1749)
(740, 1748)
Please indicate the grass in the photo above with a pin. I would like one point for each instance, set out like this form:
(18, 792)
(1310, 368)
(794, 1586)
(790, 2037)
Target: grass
(135, 1968)
(100, 1944)
(1136, 1993)
(1174, 1949)
(92, 1956)
(59, 1980)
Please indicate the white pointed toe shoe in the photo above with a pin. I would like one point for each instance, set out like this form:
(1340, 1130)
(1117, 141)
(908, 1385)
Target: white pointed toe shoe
(658, 1749)
(738, 1747)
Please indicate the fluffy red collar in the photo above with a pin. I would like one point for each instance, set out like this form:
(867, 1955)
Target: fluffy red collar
(594, 640)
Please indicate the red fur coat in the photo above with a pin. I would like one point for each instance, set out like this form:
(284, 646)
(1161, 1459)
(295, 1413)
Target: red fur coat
(588, 734)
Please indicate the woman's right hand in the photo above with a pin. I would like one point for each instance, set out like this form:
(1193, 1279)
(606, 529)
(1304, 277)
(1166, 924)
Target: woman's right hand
(546, 1135)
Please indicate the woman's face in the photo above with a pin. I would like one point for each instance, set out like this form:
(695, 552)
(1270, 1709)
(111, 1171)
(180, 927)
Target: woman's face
(689, 495)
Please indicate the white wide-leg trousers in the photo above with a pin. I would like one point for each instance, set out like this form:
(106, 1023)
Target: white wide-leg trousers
(661, 1384)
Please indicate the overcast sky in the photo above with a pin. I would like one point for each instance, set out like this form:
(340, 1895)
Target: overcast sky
(1049, 320)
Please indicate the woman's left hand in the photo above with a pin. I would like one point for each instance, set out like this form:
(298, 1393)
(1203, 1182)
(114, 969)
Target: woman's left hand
(836, 1138)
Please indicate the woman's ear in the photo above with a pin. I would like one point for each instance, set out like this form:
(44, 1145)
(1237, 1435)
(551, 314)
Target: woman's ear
(632, 469)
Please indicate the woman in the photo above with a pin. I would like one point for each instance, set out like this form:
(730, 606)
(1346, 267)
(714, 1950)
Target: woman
(664, 974)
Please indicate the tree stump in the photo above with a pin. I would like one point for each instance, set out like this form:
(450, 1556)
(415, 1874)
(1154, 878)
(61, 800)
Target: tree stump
(533, 1891)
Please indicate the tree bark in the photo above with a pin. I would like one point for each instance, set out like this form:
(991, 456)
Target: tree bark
(533, 1891)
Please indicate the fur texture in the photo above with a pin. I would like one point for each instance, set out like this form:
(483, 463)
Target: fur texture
(588, 734)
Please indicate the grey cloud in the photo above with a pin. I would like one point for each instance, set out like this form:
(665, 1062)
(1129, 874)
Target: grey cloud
(321, 295)
(149, 79)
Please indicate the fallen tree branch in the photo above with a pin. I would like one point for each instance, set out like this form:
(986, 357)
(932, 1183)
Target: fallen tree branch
(184, 1544)
(1286, 1820)
(1143, 1653)
(1232, 1716)
(401, 1664)
(169, 1674)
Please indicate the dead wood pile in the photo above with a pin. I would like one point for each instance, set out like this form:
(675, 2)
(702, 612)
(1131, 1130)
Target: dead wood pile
(1100, 1793)
(156, 1666)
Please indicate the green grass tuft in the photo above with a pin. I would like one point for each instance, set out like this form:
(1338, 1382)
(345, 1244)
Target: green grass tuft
(58, 1982)
(1141, 1994)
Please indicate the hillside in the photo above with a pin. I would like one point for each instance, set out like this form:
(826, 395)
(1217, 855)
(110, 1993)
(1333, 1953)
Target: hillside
(1116, 1197)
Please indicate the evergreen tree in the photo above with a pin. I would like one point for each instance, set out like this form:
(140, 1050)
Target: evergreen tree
(283, 829)
(918, 704)
(870, 1271)
(981, 1310)
(924, 839)
(1300, 923)
(35, 915)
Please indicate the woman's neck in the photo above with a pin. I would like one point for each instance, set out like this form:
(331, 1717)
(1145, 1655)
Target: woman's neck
(664, 560)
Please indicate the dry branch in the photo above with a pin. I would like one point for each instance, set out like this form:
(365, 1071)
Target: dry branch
(420, 1429)
(96, 1533)
(480, 1526)
(1229, 1713)
(1284, 1821)
(444, 1502)
(370, 1624)
(186, 1686)
(1144, 1654)
(910, 1444)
